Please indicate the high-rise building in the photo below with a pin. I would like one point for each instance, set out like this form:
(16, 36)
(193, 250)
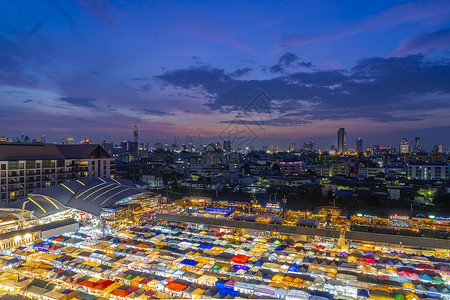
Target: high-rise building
(136, 135)
(43, 139)
(27, 167)
(359, 144)
(438, 148)
(404, 146)
(292, 147)
(309, 146)
(417, 145)
(342, 146)
(227, 146)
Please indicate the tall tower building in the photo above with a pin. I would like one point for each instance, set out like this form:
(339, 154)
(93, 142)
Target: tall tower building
(227, 146)
(417, 145)
(404, 146)
(342, 146)
(292, 147)
(359, 144)
(309, 146)
(43, 139)
(136, 135)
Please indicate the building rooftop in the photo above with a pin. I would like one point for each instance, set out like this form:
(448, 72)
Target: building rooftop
(90, 195)
(37, 151)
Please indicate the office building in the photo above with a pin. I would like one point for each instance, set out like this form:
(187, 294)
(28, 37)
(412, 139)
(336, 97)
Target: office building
(342, 146)
(417, 145)
(438, 149)
(292, 147)
(309, 146)
(25, 168)
(227, 146)
(136, 135)
(359, 144)
(404, 146)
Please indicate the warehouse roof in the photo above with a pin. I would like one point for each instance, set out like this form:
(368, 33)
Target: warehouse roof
(90, 195)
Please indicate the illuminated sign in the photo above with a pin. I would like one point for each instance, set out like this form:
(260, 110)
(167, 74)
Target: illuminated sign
(224, 230)
(229, 209)
(395, 217)
(273, 205)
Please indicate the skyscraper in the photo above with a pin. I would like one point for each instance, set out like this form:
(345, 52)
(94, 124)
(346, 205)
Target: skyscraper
(43, 139)
(136, 135)
(227, 146)
(342, 146)
(417, 145)
(292, 147)
(359, 144)
(404, 146)
(309, 146)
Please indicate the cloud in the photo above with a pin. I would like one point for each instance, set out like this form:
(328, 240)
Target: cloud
(375, 89)
(240, 72)
(275, 122)
(139, 78)
(144, 88)
(288, 60)
(151, 112)
(430, 42)
(81, 102)
(28, 101)
(15, 93)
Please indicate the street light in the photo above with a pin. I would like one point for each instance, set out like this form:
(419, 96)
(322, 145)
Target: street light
(284, 204)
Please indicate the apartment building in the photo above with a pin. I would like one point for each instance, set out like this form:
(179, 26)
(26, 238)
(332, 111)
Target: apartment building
(26, 167)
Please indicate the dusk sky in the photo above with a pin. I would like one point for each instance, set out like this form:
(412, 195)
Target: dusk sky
(381, 69)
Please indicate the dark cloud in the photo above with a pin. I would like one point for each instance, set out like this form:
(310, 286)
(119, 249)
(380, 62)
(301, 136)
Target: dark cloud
(276, 69)
(375, 88)
(434, 41)
(144, 88)
(139, 78)
(82, 102)
(240, 72)
(288, 60)
(151, 112)
(28, 101)
(275, 122)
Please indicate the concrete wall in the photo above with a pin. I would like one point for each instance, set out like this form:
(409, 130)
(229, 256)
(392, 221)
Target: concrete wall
(60, 230)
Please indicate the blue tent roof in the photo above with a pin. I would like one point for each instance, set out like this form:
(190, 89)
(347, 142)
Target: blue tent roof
(189, 262)
(363, 293)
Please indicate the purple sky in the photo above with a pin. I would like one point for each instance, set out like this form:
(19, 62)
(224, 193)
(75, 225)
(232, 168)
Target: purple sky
(381, 69)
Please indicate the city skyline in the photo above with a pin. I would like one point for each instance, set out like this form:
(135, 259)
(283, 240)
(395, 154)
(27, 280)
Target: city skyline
(234, 143)
(97, 69)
